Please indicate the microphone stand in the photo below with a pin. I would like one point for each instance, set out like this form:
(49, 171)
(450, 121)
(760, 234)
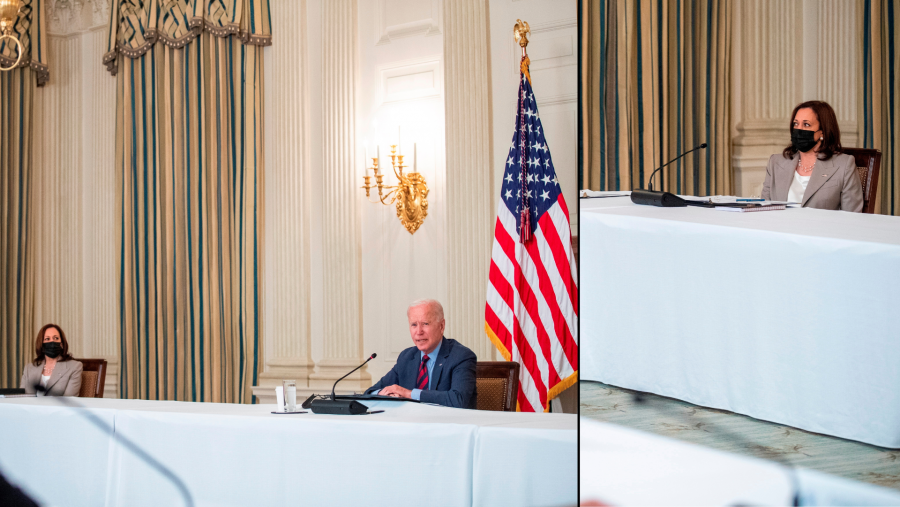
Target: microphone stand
(332, 405)
(128, 444)
(704, 145)
(662, 199)
(351, 371)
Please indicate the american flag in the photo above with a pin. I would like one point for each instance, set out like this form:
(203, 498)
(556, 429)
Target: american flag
(531, 314)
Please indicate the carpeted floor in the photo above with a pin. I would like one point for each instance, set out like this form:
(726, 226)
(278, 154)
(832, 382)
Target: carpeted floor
(740, 434)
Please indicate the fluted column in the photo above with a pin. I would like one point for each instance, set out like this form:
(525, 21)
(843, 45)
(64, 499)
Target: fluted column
(838, 64)
(470, 214)
(76, 244)
(100, 242)
(342, 337)
(58, 196)
(75, 223)
(786, 52)
(287, 280)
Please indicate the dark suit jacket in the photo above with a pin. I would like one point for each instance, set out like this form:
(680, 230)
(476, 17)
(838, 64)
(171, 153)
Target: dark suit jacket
(834, 183)
(452, 379)
(64, 381)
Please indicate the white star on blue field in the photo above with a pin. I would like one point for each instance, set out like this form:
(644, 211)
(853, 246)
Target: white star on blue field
(541, 186)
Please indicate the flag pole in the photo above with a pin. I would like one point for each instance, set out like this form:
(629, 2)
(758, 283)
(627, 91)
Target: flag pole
(520, 31)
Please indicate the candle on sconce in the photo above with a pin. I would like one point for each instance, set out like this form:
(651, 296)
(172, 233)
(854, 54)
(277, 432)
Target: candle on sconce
(378, 154)
(366, 159)
(398, 140)
(415, 159)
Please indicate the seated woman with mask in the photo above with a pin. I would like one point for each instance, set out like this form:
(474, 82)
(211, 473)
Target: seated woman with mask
(812, 170)
(53, 367)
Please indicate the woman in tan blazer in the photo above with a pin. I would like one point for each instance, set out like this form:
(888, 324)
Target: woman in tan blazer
(812, 170)
(53, 366)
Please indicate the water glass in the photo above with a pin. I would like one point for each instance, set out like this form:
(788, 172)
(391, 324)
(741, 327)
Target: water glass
(290, 395)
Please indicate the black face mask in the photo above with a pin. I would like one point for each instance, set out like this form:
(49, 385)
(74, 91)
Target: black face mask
(52, 349)
(803, 140)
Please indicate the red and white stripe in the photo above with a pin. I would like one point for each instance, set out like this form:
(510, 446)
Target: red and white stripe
(532, 301)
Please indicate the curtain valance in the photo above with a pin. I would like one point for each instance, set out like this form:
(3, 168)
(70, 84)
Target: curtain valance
(29, 29)
(135, 25)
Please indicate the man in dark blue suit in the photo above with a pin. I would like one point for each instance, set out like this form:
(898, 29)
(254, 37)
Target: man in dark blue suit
(437, 369)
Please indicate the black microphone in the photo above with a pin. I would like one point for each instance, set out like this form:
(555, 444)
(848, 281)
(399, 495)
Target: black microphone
(326, 405)
(128, 444)
(351, 371)
(704, 145)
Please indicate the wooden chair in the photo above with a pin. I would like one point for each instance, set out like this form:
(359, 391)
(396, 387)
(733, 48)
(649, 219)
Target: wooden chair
(497, 384)
(93, 378)
(868, 164)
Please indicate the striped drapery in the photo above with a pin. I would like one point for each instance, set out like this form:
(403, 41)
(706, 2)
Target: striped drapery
(17, 326)
(655, 80)
(879, 83)
(30, 30)
(190, 169)
(16, 252)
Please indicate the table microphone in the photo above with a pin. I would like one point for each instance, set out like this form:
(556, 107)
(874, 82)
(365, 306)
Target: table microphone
(128, 444)
(339, 407)
(704, 145)
(373, 356)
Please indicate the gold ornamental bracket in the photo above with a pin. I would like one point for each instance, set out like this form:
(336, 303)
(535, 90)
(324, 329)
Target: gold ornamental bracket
(9, 14)
(409, 195)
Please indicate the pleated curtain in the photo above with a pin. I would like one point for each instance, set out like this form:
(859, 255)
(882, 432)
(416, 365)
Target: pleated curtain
(879, 82)
(190, 174)
(17, 256)
(655, 81)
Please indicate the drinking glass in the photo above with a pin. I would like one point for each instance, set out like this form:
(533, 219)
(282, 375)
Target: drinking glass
(290, 395)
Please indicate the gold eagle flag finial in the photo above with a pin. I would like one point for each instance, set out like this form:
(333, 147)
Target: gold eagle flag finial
(520, 31)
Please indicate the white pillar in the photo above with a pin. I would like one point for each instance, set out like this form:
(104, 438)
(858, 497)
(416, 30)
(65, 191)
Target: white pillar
(287, 274)
(341, 290)
(470, 195)
(101, 246)
(76, 277)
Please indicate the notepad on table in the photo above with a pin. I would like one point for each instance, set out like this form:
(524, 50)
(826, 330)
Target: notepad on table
(744, 209)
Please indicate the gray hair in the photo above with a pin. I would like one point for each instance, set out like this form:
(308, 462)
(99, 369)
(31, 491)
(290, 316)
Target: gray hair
(433, 303)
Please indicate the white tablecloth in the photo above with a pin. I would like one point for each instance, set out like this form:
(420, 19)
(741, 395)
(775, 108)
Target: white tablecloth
(244, 455)
(788, 316)
(621, 466)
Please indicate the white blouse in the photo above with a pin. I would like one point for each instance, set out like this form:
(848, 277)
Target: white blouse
(44, 380)
(798, 188)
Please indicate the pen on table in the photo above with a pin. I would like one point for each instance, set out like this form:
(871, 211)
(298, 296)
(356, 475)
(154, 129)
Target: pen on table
(750, 200)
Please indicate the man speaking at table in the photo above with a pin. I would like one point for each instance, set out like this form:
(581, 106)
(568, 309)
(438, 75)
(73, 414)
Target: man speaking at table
(437, 369)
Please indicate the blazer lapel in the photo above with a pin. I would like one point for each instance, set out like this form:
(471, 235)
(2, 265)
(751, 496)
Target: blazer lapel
(439, 363)
(784, 177)
(822, 172)
(57, 374)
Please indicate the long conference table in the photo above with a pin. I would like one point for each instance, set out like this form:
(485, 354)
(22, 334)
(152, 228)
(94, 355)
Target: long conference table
(788, 316)
(229, 454)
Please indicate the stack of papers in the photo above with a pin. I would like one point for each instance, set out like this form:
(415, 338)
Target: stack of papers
(591, 194)
(741, 204)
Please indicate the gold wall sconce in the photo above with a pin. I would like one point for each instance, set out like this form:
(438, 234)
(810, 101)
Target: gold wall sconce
(410, 194)
(9, 14)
